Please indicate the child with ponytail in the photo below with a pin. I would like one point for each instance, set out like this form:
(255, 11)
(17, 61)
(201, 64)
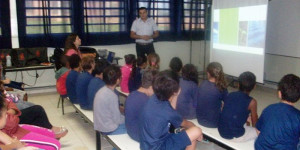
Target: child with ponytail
(211, 94)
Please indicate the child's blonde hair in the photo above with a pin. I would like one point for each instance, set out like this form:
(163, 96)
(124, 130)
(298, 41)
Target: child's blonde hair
(215, 70)
(153, 61)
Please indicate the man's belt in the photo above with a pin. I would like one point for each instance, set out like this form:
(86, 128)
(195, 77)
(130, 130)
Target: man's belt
(144, 43)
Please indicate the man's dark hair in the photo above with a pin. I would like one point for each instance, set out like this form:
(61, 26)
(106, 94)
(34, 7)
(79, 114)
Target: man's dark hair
(142, 8)
(100, 65)
(111, 74)
(289, 86)
(247, 81)
(175, 64)
(190, 73)
(165, 84)
(74, 61)
(148, 77)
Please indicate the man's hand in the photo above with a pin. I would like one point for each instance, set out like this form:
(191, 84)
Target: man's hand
(145, 37)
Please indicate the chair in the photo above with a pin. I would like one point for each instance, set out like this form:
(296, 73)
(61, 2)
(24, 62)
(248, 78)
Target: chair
(62, 98)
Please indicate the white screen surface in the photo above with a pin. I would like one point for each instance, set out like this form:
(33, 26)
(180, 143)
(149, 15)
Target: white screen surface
(238, 36)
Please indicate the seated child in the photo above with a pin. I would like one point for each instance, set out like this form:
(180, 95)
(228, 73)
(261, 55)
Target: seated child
(97, 82)
(212, 93)
(135, 79)
(159, 114)
(176, 65)
(31, 135)
(237, 106)
(61, 76)
(34, 115)
(187, 99)
(83, 80)
(107, 116)
(153, 61)
(126, 71)
(279, 124)
(71, 80)
(135, 102)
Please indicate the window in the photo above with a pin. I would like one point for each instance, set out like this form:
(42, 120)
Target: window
(194, 15)
(105, 16)
(48, 16)
(160, 11)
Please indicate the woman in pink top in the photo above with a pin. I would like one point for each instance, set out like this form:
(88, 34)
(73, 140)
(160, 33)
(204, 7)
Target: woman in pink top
(126, 71)
(72, 44)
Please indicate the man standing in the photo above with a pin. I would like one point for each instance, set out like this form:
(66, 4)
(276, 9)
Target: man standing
(144, 30)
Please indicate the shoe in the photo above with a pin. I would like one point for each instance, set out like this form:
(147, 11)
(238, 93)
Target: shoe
(61, 133)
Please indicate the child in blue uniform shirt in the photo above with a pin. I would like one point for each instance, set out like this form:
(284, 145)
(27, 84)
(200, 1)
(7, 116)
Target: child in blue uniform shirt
(74, 62)
(212, 93)
(97, 82)
(235, 113)
(83, 80)
(279, 124)
(159, 114)
(187, 99)
(135, 102)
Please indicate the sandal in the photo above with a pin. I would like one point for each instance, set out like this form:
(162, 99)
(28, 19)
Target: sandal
(61, 133)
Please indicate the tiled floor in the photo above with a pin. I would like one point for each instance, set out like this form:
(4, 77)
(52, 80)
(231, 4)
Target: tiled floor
(81, 135)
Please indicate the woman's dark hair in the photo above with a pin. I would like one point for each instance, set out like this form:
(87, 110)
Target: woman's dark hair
(165, 84)
(74, 61)
(247, 81)
(175, 64)
(69, 44)
(100, 65)
(190, 73)
(215, 70)
(111, 74)
(87, 62)
(289, 86)
(148, 77)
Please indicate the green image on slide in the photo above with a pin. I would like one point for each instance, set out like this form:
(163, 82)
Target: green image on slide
(229, 26)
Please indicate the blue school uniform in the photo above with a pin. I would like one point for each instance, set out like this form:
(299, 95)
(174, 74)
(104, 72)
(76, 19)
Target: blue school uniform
(234, 115)
(155, 121)
(133, 107)
(187, 99)
(279, 126)
(135, 82)
(209, 104)
(70, 85)
(93, 87)
(83, 81)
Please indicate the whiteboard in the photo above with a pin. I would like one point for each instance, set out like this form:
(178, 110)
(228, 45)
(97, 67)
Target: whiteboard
(283, 28)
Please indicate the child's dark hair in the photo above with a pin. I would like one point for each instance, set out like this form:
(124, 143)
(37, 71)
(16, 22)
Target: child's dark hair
(2, 105)
(111, 74)
(289, 86)
(139, 62)
(215, 70)
(64, 60)
(165, 84)
(190, 73)
(74, 61)
(130, 59)
(100, 65)
(247, 81)
(176, 64)
(87, 62)
(148, 77)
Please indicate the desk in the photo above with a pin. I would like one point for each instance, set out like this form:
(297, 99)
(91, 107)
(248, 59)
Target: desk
(14, 69)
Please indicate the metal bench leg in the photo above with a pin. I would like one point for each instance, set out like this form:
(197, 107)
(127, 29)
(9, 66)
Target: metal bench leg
(58, 101)
(98, 140)
(62, 105)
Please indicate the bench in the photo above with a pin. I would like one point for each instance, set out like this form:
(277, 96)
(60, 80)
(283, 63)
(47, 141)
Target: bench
(124, 142)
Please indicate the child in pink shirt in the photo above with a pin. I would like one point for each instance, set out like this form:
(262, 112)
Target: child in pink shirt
(126, 71)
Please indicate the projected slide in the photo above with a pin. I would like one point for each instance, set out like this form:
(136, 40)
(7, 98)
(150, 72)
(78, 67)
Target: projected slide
(240, 29)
